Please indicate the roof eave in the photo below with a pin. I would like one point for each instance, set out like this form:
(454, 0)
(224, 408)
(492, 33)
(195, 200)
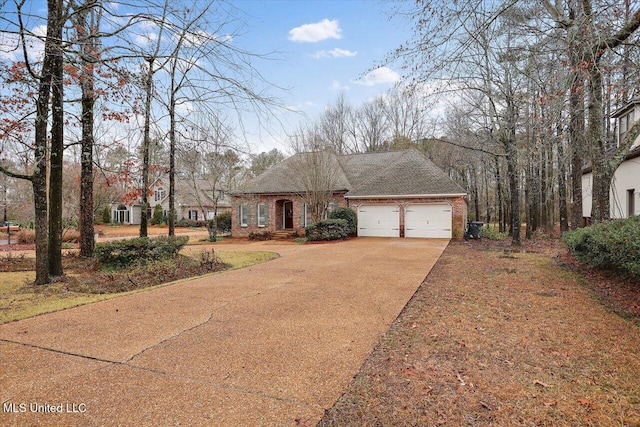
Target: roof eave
(407, 196)
(625, 108)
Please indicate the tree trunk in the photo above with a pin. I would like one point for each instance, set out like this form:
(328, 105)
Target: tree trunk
(562, 183)
(40, 172)
(501, 227)
(601, 174)
(146, 143)
(57, 148)
(511, 149)
(575, 49)
(172, 157)
(87, 82)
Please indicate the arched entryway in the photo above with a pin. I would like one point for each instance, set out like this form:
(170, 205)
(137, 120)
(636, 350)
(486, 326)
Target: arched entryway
(121, 215)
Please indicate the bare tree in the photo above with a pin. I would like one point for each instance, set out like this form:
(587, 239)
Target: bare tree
(214, 164)
(315, 170)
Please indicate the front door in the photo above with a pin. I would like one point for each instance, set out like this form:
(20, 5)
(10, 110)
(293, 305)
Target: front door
(287, 222)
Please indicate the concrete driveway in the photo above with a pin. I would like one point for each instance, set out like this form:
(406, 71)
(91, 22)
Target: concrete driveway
(272, 344)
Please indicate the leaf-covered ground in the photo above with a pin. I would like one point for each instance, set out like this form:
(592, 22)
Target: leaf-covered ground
(501, 338)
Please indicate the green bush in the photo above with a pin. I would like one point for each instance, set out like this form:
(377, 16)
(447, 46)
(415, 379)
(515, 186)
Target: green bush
(106, 215)
(224, 222)
(158, 215)
(327, 229)
(348, 215)
(123, 253)
(610, 245)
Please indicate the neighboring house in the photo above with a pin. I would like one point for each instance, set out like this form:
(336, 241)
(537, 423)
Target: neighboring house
(624, 193)
(194, 201)
(395, 194)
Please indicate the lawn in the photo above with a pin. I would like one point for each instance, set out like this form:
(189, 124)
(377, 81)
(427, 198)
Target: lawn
(19, 300)
(501, 338)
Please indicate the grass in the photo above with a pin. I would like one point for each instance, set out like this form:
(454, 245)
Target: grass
(505, 341)
(19, 300)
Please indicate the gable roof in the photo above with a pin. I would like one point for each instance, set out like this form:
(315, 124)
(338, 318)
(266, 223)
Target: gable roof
(396, 173)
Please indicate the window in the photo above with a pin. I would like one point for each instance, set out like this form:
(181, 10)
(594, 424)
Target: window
(245, 215)
(159, 194)
(631, 203)
(306, 215)
(193, 214)
(330, 207)
(625, 123)
(263, 215)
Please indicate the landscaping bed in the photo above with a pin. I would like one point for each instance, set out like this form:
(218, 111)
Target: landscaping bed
(502, 337)
(86, 282)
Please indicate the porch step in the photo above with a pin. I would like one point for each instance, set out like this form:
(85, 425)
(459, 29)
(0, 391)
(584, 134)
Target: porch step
(282, 235)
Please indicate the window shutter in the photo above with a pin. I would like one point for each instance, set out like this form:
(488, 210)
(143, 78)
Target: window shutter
(257, 214)
(239, 215)
(303, 210)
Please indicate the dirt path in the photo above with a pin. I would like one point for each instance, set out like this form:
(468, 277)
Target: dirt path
(494, 338)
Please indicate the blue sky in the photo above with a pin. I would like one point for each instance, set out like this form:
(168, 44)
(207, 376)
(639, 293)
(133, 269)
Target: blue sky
(324, 47)
(320, 49)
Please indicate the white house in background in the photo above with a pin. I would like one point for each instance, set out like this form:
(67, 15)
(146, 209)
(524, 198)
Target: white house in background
(194, 201)
(625, 186)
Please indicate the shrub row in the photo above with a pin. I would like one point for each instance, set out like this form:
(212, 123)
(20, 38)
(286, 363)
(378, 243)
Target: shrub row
(123, 253)
(610, 245)
(328, 229)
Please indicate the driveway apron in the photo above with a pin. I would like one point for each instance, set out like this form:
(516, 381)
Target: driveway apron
(272, 344)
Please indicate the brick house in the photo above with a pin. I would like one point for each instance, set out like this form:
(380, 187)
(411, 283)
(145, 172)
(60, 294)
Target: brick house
(395, 194)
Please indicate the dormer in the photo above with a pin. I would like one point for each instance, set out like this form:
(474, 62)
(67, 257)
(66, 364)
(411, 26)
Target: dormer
(625, 117)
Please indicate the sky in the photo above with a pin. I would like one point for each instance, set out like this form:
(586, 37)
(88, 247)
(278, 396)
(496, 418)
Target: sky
(317, 49)
(324, 48)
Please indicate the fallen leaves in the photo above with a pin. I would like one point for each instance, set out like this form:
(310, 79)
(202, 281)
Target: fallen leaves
(490, 349)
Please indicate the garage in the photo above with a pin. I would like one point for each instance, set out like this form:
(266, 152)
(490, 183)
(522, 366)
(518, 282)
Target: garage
(431, 220)
(379, 221)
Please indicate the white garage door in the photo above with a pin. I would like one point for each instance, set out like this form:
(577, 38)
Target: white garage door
(379, 221)
(428, 220)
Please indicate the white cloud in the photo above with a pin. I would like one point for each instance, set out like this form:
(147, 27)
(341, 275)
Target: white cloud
(11, 45)
(312, 33)
(334, 53)
(382, 75)
(145, 39)
(335, 85)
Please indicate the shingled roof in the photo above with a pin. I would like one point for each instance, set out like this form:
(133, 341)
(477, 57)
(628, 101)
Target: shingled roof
(396, 173)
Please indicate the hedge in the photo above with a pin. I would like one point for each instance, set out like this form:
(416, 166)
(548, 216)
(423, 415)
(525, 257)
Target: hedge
(327, 229)
(185, 222)
(610, 245)
(348, 215)
(123, 253)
